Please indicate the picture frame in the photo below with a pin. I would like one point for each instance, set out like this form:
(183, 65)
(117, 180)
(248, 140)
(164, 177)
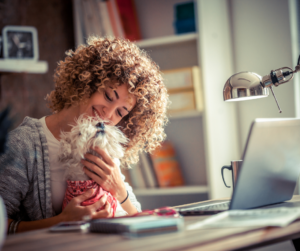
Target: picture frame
(20, 42)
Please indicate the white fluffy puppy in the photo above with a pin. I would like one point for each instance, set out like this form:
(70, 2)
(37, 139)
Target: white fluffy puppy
(89, 132)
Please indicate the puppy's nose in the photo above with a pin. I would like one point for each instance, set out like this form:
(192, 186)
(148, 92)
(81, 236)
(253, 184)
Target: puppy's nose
(100, 129)
(100, 125)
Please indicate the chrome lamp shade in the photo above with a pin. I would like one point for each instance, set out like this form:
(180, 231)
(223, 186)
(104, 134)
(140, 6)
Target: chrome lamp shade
(244, 86)
(249, 85)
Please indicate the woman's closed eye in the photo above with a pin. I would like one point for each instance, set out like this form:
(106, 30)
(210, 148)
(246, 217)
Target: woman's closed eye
(110, 100)
(107, 96)
(119, 113)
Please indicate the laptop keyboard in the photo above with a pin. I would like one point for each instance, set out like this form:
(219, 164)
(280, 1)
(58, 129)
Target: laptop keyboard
(205, 208)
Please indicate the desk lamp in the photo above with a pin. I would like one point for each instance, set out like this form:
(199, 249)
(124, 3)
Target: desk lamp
(249, 85)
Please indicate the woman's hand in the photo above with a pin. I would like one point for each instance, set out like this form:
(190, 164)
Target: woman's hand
(75, 212)
(106, 173)
(72, 212)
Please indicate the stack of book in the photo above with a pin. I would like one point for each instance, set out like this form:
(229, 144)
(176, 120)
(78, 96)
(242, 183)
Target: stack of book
(159, 169)
(184, 18)
(137, 226)
(105, 18)
(185, 89)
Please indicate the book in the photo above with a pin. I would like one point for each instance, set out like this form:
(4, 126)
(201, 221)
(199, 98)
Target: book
(166, 166)
(126, 173)
(137, 226)
(184, 18)
(147, 170)
(184, 88)
(104, 19)
(129, 20)
(115, 18)
(184, 11)
(88, 8)
(182, 101)
(79, 30)
(136, 176)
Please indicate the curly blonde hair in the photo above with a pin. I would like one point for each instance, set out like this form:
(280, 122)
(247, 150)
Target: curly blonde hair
(85, 71)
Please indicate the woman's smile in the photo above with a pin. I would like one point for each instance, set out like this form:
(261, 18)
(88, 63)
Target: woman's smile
(111, 104)
(96, 114)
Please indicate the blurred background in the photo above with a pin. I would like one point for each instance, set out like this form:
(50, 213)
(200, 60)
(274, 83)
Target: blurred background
(25, 92)
(198, 45)
(203, 42)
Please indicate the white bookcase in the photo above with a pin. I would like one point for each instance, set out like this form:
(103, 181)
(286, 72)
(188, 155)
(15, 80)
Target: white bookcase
(201, 139)
(185, 130)
(204, 141)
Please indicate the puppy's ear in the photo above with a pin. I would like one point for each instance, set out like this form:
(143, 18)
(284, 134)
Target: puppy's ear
(65, 151)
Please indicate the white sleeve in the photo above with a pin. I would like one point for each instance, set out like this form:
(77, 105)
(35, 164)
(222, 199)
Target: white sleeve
(129, 189)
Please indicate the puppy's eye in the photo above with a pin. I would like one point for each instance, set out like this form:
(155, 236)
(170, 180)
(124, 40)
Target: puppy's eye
(79, 134)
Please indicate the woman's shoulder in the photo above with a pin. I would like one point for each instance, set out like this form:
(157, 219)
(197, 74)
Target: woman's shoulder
(28, 131)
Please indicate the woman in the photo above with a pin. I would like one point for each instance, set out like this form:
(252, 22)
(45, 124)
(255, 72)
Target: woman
(110, 78)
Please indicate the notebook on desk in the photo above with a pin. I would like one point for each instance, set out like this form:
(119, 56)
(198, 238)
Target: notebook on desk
(137, 226)
(269, 172)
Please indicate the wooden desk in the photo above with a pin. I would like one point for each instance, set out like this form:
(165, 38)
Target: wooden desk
(208, 239)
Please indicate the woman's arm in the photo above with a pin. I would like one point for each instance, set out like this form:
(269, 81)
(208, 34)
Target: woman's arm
(106, 173)
(129, 207)
(73, 212)
(34, 225)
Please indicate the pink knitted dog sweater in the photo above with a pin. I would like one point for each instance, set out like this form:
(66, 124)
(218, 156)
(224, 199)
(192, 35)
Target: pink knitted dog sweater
(75, 188)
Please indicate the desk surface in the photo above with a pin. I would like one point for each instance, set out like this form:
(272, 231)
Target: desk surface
(208, 239)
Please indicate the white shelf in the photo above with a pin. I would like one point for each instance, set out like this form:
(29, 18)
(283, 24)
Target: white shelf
(18, 66)
(175, 39)
(171, 190)
(186, 114)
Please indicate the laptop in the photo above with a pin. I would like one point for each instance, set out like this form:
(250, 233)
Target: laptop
(269, 172)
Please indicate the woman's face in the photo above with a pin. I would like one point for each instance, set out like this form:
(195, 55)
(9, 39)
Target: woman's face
(112, 104)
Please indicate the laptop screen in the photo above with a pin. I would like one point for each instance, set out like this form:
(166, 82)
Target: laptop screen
(271, 164)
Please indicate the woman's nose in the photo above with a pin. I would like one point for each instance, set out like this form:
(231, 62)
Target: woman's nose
(108, 112)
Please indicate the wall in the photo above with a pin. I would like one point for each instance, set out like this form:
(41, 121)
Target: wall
(186, 134)
(53, 20)
(220, 126)
(156, 17)
(262, 42)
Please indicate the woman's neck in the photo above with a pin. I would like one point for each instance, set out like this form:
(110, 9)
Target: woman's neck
(61, 121)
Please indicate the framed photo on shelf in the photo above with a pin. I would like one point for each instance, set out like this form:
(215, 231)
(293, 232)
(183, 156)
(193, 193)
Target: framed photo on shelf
(20, 42)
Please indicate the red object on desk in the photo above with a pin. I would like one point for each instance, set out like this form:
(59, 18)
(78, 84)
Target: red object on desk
(162, 211)
(75, 188)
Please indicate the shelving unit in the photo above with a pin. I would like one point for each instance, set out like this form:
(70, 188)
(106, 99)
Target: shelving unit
(185, 115)
(18, 66)
(185, 129)
(204, 141)
(172, 190)
(167, 40)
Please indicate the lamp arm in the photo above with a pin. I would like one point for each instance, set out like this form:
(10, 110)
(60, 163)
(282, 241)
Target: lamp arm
(249, 85)
(277, 77)
(271, 88)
